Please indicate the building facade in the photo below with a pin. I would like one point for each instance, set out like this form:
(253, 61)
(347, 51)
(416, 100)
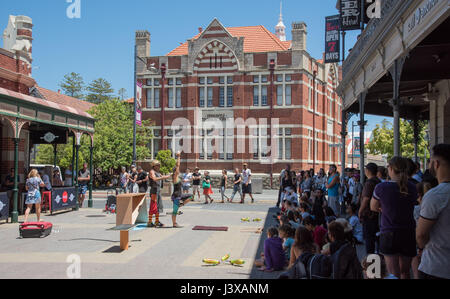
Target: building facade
(232, 93)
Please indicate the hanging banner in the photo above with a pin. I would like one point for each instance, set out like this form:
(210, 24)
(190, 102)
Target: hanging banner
(332, 39)
(356, 147)
(138, 104)
(4, 206)
(350, 14)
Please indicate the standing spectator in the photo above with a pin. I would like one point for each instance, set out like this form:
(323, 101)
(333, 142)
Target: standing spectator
(369, 218)
(357, 190)
(84, 177)
(196, 178)
(382, 174)
(132, 178)
(68, 176)
(433, 229)
(9, 181)
(247, 183)
(46, 179)
(333, 190)
(56, 179)
(411, 170)
(396, 200)
(236, 184)
(418, 176)
(33, 196)
(187, 179)
(320, 181)
(223, 185)
(281, 191)
(124, 178)
(307, 184)
(422, 189)
(142, 180)
(207, 189)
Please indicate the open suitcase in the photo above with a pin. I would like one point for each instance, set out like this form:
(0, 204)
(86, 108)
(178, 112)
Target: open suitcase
(35, 229)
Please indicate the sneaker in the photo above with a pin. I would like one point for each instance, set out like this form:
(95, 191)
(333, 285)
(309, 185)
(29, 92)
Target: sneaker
(159, 225)
(151, 225)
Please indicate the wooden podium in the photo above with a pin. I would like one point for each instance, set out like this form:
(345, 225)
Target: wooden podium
(131, 209)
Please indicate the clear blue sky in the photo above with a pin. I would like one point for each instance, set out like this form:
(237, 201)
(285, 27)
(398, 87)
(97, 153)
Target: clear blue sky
(101, 42)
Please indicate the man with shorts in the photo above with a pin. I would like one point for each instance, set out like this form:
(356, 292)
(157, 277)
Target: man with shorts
(196, 178)
(84, 177)
(155, 193)
(246, 183)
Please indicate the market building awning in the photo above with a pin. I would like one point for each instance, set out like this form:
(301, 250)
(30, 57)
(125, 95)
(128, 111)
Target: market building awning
(400, 66)
(33, 109)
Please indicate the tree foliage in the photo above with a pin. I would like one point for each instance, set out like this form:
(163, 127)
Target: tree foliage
(99, 91)
(382, 142)
(73, 85)
(167, 161)
(113, 139)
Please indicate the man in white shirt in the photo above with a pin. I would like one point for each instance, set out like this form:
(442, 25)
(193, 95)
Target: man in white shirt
(433, 228)
(246, 183)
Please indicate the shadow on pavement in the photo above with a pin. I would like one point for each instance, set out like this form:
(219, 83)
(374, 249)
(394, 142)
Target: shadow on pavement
(270, 222)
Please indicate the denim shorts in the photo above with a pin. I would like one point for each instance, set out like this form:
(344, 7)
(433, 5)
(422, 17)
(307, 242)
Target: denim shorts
(83, 189)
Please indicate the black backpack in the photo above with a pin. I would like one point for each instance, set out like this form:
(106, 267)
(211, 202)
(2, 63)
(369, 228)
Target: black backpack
(311, 266)
(346, 264)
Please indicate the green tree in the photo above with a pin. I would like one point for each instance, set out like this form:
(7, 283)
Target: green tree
(113, 140)
(113, 136)
(73, 85)
(382, 142)
(99, 91)
(167, 161)
(122, 93)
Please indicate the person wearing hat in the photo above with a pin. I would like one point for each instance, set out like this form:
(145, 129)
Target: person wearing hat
(155, 194)
(368, 218)
(246, 183)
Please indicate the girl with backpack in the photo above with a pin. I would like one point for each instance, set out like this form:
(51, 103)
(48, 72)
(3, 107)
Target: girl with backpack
(207, 190)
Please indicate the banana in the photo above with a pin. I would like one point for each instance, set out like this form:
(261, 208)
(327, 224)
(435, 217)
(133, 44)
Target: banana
(237, 262)
(225, 258)
(257, 220)
(245, 219)
(211, 262)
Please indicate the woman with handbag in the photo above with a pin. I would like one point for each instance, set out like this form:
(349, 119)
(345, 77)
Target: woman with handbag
(207, 190)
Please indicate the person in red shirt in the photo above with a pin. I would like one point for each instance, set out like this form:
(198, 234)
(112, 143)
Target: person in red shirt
(319, 233)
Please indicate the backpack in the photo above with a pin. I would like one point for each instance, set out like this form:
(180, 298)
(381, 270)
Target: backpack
(311, 266)
(346, 264)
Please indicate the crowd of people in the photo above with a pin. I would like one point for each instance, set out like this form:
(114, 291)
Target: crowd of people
(397, 213)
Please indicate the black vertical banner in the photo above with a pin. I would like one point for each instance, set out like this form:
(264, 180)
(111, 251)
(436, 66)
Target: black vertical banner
(332, 39)
(4, 206)
(350, 14)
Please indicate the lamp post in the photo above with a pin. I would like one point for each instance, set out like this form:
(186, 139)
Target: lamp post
(272, 70)
(163, 105)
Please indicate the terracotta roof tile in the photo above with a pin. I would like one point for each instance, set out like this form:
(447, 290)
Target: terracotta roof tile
(63, 99)
(256, 39)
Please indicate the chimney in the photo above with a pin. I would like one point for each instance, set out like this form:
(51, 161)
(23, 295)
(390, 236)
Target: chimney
(299, 35)
(143, 43)
(18, 38)
(200, 30)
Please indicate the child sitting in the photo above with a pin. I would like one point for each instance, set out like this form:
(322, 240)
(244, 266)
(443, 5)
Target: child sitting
(355, 223)
(274, 258)
(292, 220)
(287, 234)
(304, 210)
(318, 232)
(291, 196)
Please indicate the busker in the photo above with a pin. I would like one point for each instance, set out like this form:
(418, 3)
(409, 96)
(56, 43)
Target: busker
(179, 198)
(155, 193)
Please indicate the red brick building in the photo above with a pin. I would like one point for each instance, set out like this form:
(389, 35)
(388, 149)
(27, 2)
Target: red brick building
(224, 74)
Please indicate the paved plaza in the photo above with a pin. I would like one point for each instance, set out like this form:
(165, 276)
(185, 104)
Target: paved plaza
(153, 253)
